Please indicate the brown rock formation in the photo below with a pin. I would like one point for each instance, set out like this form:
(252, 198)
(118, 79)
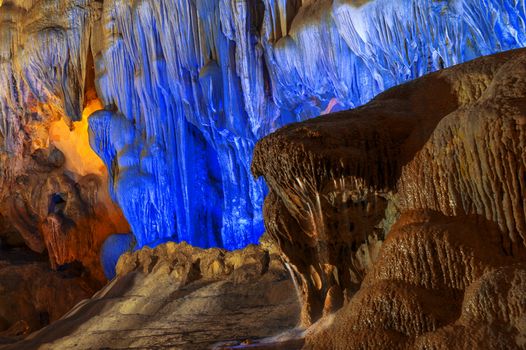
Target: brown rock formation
(53, 188)
(53, 211)
(452, 142)
(439, 282)
(32, 295)
(64, 216)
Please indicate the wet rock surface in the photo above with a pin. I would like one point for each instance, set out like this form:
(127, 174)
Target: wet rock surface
(179, 297)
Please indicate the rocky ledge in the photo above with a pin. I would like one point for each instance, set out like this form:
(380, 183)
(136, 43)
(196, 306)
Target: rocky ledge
(180, 297)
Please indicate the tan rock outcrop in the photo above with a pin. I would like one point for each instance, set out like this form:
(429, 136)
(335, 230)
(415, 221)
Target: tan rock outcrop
(176, 296)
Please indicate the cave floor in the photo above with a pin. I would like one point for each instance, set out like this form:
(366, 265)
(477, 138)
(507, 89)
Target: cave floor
(152, 311)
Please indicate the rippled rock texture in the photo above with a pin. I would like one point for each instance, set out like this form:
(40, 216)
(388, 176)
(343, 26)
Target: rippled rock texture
(179, 91)
(179, 297)
(440, 282)
(443, 158)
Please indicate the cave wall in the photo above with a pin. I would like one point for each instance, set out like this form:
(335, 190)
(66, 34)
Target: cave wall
(188, 87)
(196, 83)
(54, 188)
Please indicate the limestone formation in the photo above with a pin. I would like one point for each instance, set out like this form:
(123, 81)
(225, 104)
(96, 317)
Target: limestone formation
(54, 189)
(401, 222)
(453, 143)
(439, 283)
(54, 195)
(188, 87)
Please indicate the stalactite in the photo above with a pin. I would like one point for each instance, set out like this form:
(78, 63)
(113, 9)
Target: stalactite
(189, 86)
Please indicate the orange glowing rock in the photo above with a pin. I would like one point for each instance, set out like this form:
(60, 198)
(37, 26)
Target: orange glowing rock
(74, 142)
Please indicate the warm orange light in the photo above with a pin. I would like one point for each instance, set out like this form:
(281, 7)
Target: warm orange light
(74, 143)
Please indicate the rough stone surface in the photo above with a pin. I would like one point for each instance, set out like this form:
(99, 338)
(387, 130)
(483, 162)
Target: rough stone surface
(53, 212)
(452, 142)
(62, 217)
(449, 147)
(179, 297)
(32, 295)
(53, 187)
(439, 283)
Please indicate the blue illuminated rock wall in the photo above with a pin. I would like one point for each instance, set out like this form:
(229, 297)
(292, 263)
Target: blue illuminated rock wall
(191, 85)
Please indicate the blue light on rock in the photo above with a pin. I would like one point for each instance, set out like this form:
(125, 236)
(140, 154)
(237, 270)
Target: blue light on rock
(192, 85)
(114, 246)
